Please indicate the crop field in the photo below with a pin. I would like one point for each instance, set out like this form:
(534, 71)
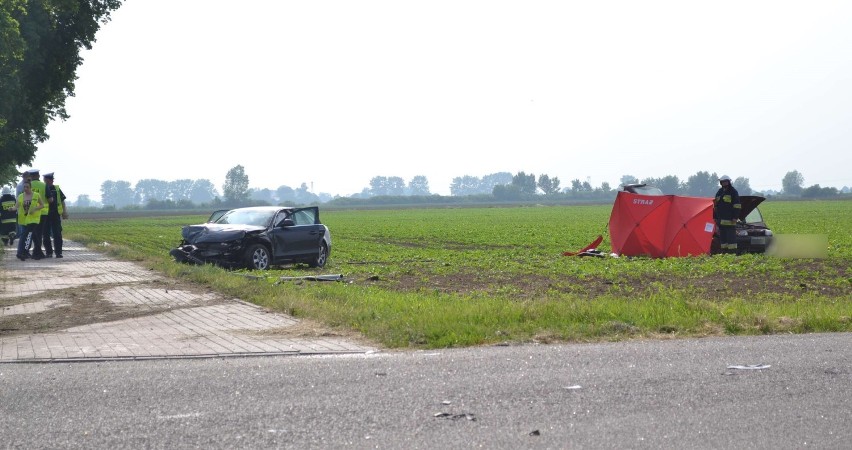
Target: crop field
(430, 278)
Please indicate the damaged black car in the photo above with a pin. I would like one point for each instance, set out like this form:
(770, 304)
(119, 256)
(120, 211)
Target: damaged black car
(257, 238)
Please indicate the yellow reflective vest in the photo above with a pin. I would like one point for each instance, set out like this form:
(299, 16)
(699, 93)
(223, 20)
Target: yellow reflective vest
(40, 188)
(33, 214)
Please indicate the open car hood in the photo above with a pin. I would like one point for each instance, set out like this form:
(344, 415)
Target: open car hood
(749, 203)
(196, 234)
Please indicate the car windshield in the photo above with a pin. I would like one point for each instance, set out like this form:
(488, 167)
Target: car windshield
(644, 190)
(754, 217)
(261, 218)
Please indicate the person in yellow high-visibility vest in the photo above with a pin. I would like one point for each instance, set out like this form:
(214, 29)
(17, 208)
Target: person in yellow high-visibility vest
(52, 221)
(39, 188)
(28, 206)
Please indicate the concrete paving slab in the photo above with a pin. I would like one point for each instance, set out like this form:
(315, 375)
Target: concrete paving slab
(160, 323)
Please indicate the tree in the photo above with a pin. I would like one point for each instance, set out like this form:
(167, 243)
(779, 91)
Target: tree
(116, 193)
(702, 184)
(466, 185)
(548, 185)
(202, 191)
(395, 186)
(742, 186)
(507, 192)
(150, 189)
(236, 187)
(83, 201)
(285, 194)
(525, 183)
(180, 189)
(487, 183)
(263, 195)
(418, 185)
(304, 196)
(792, 183)
(40, 43)
(628, 179)
(816, 191)
(379, 186)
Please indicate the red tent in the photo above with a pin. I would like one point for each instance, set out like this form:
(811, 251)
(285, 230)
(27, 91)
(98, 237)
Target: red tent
(660, 226)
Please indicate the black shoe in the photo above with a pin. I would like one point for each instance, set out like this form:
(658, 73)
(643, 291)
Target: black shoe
(21, 257)
(38, 257)
(59, 256)
(48, 255)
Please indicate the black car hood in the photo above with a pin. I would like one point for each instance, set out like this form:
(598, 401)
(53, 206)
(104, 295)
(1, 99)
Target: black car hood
(749, 203)
(209, 232)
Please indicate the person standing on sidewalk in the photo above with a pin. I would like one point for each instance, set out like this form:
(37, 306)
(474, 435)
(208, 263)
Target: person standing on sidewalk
(8, 218)
(39, 188)
(56, 211)
(28, 206)
(19, 189)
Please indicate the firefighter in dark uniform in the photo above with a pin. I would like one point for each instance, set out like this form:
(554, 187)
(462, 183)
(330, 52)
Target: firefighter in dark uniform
(8, 217)
(726, 212)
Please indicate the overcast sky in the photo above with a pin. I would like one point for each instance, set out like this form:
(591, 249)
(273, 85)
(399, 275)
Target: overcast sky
(336, 92)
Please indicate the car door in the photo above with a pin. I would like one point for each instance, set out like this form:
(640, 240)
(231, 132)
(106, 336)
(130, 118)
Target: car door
(216, 215)
(297, 235)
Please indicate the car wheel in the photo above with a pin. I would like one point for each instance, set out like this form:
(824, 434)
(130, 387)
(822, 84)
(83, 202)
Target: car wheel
(257, 257)
(321, 258)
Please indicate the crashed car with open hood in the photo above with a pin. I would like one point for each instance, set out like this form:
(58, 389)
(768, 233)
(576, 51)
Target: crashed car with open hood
(753, 235)
(257, 238)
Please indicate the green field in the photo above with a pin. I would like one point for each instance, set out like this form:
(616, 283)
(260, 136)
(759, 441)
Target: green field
(471, 276)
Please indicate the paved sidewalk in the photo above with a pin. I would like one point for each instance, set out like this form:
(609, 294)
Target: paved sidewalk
(162, 322)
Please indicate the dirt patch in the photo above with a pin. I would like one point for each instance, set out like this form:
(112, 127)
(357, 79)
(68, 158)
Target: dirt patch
(306, 329)
(86, 305)
(803, 277)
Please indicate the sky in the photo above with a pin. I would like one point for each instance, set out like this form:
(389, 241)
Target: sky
(333, 93)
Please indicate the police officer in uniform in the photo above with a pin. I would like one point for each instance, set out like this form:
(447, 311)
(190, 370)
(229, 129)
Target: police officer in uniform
(39, 188)
(726, 212)
(52, 221)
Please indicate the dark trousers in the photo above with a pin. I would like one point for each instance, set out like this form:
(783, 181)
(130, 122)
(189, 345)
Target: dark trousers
(52, 226)
(728, 238)
(37, 237)
(24, 238)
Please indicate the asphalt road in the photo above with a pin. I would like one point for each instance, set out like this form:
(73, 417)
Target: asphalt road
(648, 394)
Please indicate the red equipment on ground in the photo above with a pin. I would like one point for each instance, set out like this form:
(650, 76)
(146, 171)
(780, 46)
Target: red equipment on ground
(660, 226)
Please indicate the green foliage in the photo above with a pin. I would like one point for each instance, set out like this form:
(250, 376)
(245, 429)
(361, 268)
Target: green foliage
(471, 276)
(236, 187)
(40, 43)
(792, 183)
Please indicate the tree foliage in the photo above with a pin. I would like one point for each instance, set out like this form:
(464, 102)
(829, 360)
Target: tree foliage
(702, 184)
(236, 187)
(525, 183)
(40, 43)
(117, 193)
(549, 186)
(419, 185)
(792, 183)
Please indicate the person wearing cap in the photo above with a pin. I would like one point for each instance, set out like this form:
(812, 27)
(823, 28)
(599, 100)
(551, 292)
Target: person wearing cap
(39, 188)
(726, 212)
(52, 221)
(28, 207)
(25, 176)
(8, 218)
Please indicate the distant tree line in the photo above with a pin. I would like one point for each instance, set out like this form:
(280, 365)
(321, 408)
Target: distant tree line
(389, 190)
